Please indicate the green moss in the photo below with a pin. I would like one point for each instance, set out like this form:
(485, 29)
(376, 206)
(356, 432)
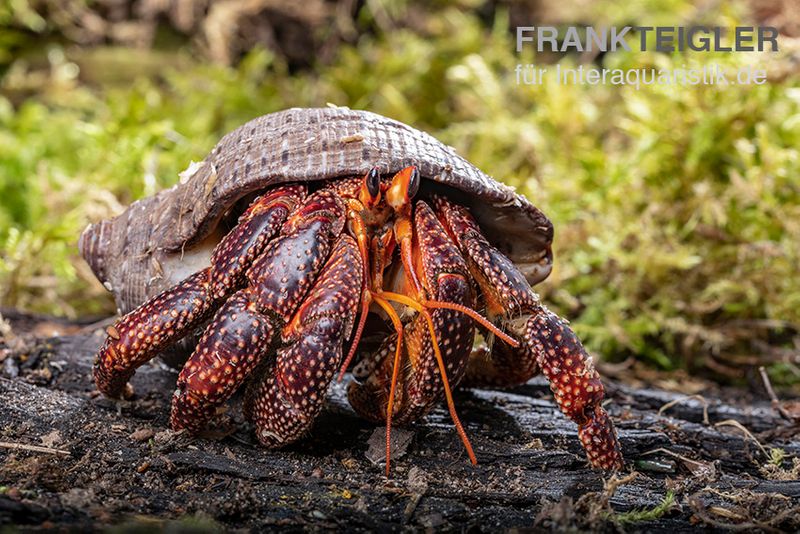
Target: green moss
(776, 456)
(639, 516)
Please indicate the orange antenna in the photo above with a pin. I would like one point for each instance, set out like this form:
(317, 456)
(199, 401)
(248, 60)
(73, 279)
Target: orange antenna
(361, 237)
(398, 326)
(365, 302)
(477, 317)
(402, 299)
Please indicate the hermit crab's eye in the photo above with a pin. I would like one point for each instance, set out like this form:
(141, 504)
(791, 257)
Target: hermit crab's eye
(413, 183)
(373, 182)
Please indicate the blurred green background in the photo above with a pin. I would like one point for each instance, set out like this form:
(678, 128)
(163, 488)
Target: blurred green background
(677, 209)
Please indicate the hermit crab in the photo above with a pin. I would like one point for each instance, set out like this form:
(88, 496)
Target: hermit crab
(304, 233)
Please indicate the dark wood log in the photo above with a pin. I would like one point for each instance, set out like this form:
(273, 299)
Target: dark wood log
(71, 458)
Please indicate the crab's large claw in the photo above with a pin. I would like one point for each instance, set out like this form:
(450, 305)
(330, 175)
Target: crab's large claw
(547, 342)
(168, 317)
(285, 403)
(246, 330)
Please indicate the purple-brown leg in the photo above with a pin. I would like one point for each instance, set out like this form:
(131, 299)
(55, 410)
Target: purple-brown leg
(166, 318)
(247, 328)
(547, 342)
(292, 390)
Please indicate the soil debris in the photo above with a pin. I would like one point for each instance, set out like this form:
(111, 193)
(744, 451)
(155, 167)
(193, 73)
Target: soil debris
(72, 459)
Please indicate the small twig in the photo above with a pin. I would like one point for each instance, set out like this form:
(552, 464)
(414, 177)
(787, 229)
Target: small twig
(80, 463)
(740, 497)
(411, 507)
(32, 448)
(699, 509)
(615, 369)
(610, 486)
(668, 452)
(776, 404)
(679, 400)
(740, 426)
